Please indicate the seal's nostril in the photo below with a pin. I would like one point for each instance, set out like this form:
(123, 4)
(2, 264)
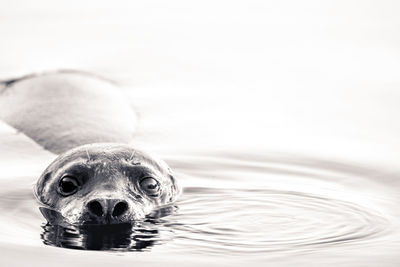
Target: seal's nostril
(95, 208)
(119, 209)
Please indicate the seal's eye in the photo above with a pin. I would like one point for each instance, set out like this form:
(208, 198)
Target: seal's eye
(68, 185)
(150, 185)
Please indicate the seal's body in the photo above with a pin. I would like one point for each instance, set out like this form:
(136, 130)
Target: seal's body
(62, 110)
(69, 113)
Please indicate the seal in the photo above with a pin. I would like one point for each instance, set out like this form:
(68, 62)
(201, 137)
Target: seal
(104, 184)
(98, 177)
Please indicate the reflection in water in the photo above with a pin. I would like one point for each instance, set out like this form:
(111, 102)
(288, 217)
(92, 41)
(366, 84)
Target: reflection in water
(138, 236)
(112, 237)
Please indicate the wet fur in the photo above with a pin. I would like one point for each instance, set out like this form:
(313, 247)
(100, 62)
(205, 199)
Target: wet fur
(106, 171)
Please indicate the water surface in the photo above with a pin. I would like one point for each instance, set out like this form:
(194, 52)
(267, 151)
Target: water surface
(235, 207)
(279, 118)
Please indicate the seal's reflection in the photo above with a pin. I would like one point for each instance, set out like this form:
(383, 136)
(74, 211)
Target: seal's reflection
(137, 236)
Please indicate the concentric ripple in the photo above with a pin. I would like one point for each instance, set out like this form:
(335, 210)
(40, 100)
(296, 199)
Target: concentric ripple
(247, 204)
(257, 220)
(234, 221)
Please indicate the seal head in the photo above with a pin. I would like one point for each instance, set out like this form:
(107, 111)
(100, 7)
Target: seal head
(104, 183)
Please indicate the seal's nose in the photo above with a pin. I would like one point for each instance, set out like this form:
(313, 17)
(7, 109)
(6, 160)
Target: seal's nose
(114, 208)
